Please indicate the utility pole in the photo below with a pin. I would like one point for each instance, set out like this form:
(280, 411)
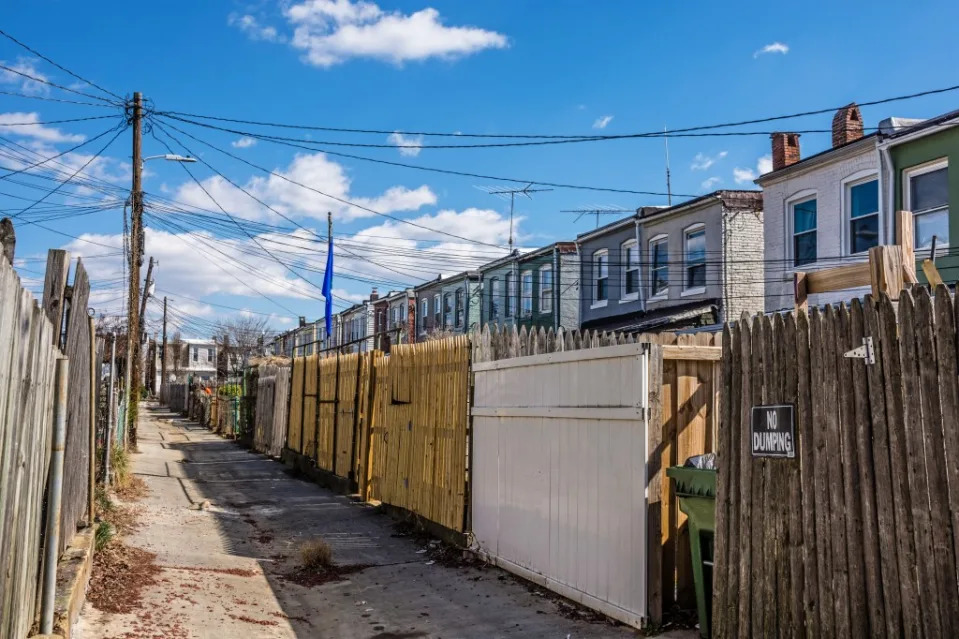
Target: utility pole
(111, 411)
(163, 355)
(136, 257)
(143, 303)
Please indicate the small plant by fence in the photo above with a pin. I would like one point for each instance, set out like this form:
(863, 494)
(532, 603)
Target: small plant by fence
(855, 535)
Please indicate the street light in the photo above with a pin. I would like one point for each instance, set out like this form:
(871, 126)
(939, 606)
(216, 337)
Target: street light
(170, 157)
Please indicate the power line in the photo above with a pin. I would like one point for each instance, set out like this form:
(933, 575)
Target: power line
(54, 84)
(54, 157)
(64, 182)
(62, 68)
(327, 195)
(579, 137)
(49, 99)
(92, 117)
(420, 167)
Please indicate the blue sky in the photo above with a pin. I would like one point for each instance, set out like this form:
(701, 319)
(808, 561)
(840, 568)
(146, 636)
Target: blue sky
(502, 67)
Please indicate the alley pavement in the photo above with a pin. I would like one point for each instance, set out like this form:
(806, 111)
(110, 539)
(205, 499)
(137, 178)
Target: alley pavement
(224, 563)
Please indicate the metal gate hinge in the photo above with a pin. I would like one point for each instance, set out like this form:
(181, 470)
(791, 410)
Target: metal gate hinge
(865, 351)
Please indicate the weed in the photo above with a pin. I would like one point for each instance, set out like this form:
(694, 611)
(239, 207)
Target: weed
(103, 535)
(104, 504)
(120, 467)
(316, 554)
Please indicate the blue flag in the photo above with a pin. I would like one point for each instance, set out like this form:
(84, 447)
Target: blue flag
(328, 286)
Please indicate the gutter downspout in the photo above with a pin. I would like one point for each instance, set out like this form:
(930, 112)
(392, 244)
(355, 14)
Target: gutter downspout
(51, 548)
(886, 189)
(557, 282)
(582, 298)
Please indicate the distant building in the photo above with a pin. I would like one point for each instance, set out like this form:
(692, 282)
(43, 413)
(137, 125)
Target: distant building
(447, 305)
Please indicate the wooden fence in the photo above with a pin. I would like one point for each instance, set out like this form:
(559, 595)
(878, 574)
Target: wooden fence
(419, 430)
(856, 534)
(272, 394)
(683, 402)
(329, 402)
(30, 343)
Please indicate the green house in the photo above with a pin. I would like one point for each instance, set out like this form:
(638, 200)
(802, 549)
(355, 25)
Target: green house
(922, 161)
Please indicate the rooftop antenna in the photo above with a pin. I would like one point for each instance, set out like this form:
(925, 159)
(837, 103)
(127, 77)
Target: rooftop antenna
(526, 190)
(597, 211)
(669, 189)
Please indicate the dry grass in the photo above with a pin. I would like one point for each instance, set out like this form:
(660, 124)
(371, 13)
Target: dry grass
(316, 554)
(131, 488)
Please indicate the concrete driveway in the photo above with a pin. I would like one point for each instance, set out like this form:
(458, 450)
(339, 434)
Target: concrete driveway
(223, 567)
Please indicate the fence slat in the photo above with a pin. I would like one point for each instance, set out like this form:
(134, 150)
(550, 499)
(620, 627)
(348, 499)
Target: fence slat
(948, 379)
(758, 490)
(932, 427)
(868, 410)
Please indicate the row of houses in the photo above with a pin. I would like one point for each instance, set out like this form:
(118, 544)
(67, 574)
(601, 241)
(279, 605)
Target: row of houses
(697, 263)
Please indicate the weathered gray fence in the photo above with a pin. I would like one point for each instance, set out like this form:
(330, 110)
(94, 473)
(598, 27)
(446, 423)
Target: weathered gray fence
(855, 535)
(30, 343)
(270, 415)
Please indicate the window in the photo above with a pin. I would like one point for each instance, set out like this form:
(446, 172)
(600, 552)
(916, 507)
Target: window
(863, 201)
(927, 196)
(510, 294)
(196, 354)
(447, 310)
(695, 258)
(209, 354)
(437, 316)
(804, 231)
(494, 293)
(630, 256)
(601, 275)
(526, 292)
(659, 267)
(459, 307)
(426, 308)
(546, 289)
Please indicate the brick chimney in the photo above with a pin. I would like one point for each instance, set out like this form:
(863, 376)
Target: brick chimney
(785, 149)
(846, 125)
(374, 295)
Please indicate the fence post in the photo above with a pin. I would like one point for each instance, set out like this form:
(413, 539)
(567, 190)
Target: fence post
(111, 411)
(91, 484)
(654, 479)
(55, 496)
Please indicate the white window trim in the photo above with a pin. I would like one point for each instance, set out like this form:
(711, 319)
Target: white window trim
(845, 186)
(522, 295)
(692, 228)
(493, 285)
(425, 308)
(920, 169)
(799, 198)
(542, 309)
(598, 303)
(663, 294)
(624, 296)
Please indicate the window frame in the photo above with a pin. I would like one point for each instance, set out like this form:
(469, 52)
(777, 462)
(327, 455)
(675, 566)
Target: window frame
(459, 307)
(447, 310)
(791, 203)
(425, 308)
(508, 310)
(437, 311)
(524, 299)
(921, 169)
(600, 256)
(546, 301)
(689, 230)
(494, 307)
(628, 267)
(847, 184)
(654, 294)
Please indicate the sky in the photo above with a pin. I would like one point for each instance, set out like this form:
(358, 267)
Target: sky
(243, 230)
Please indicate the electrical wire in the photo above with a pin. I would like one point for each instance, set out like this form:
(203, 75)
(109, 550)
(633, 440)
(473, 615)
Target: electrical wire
(658, 133)
(58, 155)
(54, 84)
(61, 100)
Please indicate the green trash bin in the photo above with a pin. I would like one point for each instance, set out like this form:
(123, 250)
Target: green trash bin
(696, 489)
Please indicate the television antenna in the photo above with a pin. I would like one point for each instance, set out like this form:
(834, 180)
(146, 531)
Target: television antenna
(527, 191)
(597, 211)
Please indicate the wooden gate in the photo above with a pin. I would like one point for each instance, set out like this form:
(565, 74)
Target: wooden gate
(855, 535)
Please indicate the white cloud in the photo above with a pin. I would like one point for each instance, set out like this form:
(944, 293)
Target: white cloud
(404, 143)
(313, 170)
(253, 29)
(702, 161)
(243, 143)
(775, 47)
(27, 66)
(710, 183)
(602, 121)
(330, 32)
(35, 131)
(763, 165)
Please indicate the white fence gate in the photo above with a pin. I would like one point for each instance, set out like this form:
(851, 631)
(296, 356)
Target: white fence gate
(559, 473)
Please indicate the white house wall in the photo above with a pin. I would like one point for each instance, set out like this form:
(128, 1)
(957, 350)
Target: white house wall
(827, 182)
